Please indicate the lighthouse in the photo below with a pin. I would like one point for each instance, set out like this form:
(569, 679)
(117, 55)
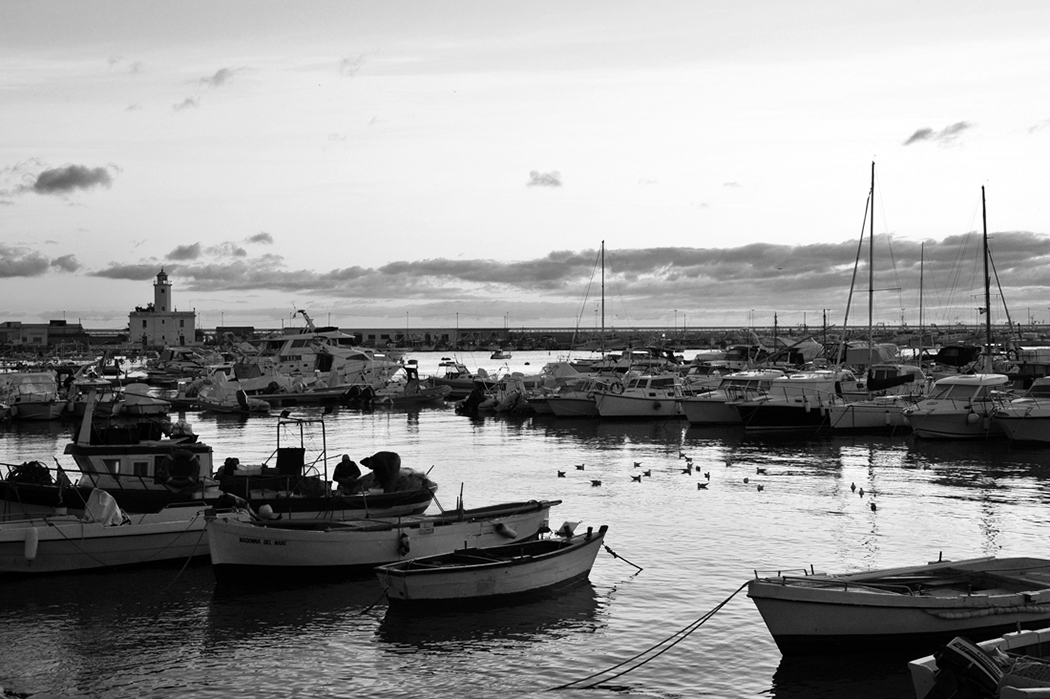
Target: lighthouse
(158, 325)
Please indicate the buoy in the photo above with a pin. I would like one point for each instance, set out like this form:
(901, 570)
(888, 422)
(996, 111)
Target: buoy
(972, 418)
(265, 512)
(32, 542)
(503, 530)
(403, 544)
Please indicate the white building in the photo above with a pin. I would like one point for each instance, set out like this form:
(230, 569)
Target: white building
(158, 325)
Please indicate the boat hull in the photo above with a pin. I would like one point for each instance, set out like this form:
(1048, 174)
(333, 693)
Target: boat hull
(615, 405)
(1025, 428)
(493, 575)
(287, 553)
(868, 416)
(960, 423)
(700, 411)
(573, 407)
(778, 416)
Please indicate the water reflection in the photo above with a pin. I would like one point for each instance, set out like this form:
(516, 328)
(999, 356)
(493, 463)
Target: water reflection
(573, 611)
(854, 676)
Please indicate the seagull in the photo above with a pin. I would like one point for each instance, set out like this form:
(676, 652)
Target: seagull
(861, 492)
(286, 413)
(761, 487)
(561, 474)
(746, 479)
(873, 508)
(647, 473)
(688, 470)
(579, 467)
(701, 486)
(596, 483)
(688, 461)
(681, 455)
(637, 464)
(707, 475)
(636, 479)
(759, 470)
(853, 487)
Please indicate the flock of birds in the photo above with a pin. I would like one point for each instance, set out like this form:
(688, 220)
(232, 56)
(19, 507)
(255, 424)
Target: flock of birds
(702, 485)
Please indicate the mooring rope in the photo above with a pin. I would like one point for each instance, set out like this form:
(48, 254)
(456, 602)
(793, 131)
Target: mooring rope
(653, 652)
(616, 555)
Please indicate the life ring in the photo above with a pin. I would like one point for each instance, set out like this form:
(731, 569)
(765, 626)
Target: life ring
(179, 469)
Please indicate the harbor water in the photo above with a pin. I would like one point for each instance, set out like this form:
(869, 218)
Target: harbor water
(171, 632)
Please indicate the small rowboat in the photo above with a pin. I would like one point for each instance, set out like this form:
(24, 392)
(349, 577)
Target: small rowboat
(494, 574)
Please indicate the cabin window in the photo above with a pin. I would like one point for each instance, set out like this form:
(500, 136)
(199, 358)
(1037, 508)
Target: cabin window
(143, 322)
(140, 468)
(112, 465)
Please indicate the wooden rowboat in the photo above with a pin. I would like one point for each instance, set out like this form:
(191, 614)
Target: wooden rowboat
(492, 574)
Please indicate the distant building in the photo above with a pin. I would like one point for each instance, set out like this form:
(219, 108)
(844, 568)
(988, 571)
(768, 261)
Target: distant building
(157, 325)
(54, 333)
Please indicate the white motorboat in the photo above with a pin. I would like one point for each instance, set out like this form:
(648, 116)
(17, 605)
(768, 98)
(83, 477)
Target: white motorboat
(890, 389)
(1015, 665)
(494, 574)
(917, 607)
(960, 407)
(645, 396)
(31, 395)
(715, 407)
(105, 537)
(798, 401)
(578, 400)
(304, 550)
(1027, 419)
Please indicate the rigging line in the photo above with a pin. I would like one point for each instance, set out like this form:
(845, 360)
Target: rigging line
(999, 285)
(672, 640)
(187, 562)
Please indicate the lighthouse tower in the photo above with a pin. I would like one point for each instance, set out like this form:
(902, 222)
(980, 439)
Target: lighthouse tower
(159, 325)
(161, 293)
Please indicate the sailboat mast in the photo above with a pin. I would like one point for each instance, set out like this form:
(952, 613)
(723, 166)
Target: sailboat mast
(987, 290)
(922, 258)
(602, 339)
(871, 267)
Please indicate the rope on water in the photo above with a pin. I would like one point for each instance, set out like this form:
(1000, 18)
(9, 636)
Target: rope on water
(651, 653)
(616, 555)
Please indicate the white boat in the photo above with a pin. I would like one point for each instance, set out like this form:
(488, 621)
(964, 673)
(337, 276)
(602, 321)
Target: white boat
(494, 574)
(501, 354)
(798, 402)
(1012, 666)
(917, 607)
(105, 537)
(410, 392)
(960, 407)
(31, 395)
(891, 388)
(1027, 419)
(646, 396)
(714, 407)
(140, 402)
(461, 380)
(306, 550)
(578, 400)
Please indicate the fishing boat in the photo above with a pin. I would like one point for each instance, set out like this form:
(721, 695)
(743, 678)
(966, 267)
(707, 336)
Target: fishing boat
(31, 395)
(1012, 666)
(1027, 419)
(913, 608)
(410, 392)
(494, 574)
(305, 550)
(105, 536)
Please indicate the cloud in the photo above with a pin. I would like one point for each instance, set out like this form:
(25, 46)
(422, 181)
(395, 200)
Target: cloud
(16, 261)
(732, 184)
(221, 77)
(226, 250)
(1040, 126)
(544, 179)
(261, 237)
(185, 252)
(348, 66)
(66, 263)
(188, 103)
(62, 180)
(133, 272)
(946, 135)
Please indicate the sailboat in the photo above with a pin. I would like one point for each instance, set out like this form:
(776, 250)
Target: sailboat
(961, 406)
(891, 386)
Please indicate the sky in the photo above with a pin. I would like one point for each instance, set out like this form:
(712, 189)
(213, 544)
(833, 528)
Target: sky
(454, 163)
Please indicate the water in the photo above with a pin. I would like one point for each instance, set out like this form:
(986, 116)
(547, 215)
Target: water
(171, 633)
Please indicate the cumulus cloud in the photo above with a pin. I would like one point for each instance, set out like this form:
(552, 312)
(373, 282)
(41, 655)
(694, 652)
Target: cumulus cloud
(66, 263)
(349, 65)
(133, 272)
(221, 77)
(946, 135)
(17, 261)
(261, 237)
(62, 180)
(188, 103)
(544, 179)
(185, 252)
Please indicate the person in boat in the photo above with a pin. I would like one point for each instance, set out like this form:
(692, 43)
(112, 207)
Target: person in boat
(385, 467)
(346, 475)
(229, 467)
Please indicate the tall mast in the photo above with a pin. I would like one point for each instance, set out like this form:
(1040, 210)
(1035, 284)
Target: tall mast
(602, 340)
(922, 256)
(987, 290)
(871, 267)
